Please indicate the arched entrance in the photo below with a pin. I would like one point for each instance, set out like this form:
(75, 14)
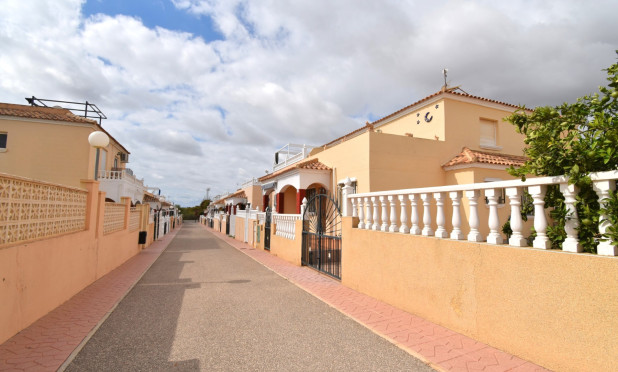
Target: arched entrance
(321, 247)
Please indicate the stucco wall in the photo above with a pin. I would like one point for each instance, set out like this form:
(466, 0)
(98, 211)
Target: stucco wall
(288, 249)
(40, 275)
(551, 307)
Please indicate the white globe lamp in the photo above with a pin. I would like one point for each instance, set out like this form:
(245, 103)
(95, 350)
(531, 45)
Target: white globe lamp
(98, 140)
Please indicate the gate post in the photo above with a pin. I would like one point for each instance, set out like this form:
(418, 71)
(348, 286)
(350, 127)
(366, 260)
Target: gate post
(346, 203)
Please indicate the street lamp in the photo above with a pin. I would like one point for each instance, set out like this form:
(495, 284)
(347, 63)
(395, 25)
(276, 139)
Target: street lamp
(98, 140)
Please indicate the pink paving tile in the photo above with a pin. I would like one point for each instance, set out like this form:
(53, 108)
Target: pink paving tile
(444, 348)
(49, 341)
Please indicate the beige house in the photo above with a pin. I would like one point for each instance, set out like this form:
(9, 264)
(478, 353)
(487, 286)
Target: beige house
(51, 144)
(447, 138)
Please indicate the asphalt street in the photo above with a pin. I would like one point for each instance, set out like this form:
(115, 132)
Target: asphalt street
(205, 306)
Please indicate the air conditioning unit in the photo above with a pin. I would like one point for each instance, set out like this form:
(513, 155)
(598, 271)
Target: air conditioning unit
(124, 158)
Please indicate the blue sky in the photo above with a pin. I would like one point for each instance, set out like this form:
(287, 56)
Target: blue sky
(153, 13)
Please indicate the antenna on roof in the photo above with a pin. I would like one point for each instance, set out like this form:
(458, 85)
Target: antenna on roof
(444, 72)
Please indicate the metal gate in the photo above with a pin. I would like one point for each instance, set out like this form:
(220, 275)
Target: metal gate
(267, 221)
(322, 235)
(156, 225)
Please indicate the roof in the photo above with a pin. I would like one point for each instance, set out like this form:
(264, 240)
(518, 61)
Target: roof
(237, 194)
(50, 113)
(314, 164)
(370, 126)
(45, 113)
(468, 156)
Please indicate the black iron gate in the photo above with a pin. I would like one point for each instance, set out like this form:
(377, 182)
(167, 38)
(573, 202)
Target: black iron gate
(267, 221)
(156, 225)
(322, 235)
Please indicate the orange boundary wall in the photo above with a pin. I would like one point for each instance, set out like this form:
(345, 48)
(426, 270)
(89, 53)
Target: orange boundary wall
(555, 308)
(38, 276)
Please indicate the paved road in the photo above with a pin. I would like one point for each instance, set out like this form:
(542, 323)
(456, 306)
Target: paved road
(206, 306)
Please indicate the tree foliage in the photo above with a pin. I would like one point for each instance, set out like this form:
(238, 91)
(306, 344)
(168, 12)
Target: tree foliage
(574, 140)
(193, 213)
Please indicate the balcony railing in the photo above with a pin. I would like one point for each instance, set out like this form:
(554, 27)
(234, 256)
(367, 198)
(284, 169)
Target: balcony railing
(290, 154)
(286, 224)
(399, 211)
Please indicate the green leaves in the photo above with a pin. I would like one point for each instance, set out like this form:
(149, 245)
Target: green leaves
(573, 139)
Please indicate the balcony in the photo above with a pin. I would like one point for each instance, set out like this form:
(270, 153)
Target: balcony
(121, 182)
(290, 154)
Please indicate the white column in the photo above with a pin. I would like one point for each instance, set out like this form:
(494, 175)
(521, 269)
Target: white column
(571, 243)
(346, 202)
(354, 207)
(456, 220)
(403, 201)
(376, 214)
(361, 213)
(427, 230)
(517, 239)
(303, 207)
(415, 229)
(393, 217)
(440, 218)
(368, 215)
(602, 188)
(384, 226)
(540, 222)
(474, 235)
(494, 236)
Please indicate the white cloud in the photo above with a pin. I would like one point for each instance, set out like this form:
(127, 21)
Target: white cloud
(198, 114)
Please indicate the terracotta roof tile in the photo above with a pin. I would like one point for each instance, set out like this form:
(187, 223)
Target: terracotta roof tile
(237, 194)
(309, 164)
(468, 156)
(44, 113)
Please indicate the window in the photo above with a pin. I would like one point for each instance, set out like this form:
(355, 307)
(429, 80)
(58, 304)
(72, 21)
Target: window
(501, 192)
(3, 138)
(340, 190)
(488, 133)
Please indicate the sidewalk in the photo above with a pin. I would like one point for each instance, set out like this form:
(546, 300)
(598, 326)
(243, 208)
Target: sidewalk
(47, 343)
(439, 347)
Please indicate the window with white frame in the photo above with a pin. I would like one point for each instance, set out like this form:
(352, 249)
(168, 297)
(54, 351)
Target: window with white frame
(501, 192)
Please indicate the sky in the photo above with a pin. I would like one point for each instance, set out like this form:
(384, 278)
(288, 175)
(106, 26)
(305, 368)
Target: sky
(203, 92)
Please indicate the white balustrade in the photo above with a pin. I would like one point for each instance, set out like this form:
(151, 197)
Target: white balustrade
(456, 220)
(440, 220)
(602, 188)
(571, 243)
(384, 226)
(372, 217)
(517, 239)
(403, 201)
(376, 214)
(427, 230)
(286, 225)
(494, 236)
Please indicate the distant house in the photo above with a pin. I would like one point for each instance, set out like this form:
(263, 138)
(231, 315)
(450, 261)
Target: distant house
(51, 144)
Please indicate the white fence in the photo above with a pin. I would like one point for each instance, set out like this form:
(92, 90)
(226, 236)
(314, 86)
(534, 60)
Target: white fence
(379, 211)
(286, 224)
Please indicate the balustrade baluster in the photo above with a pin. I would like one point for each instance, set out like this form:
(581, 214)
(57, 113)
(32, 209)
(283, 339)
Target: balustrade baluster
(517, 239)
(427, 230)
(474, 235)
(384, 226)
(354, 208)
(403, 201)
(376, 214)
(361, 213)
(393, 217)
(456, 234)
(415, 229)
(369, 216)
(602, 188)
(440, 219)
(571, 243)
(494, 236)
(540, 221)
